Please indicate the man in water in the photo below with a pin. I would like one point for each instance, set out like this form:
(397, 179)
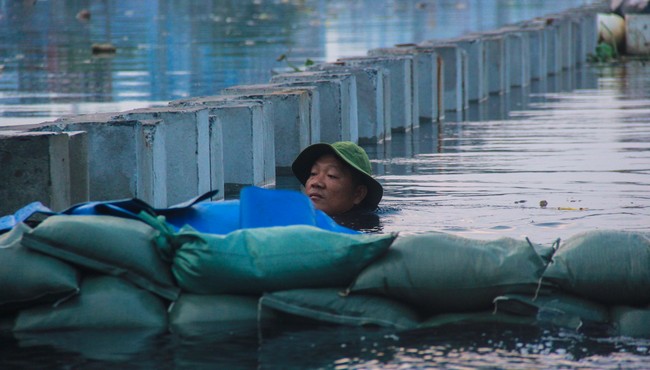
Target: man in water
(338, 179)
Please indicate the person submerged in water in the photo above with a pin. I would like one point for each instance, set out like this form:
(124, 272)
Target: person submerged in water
(338, 179)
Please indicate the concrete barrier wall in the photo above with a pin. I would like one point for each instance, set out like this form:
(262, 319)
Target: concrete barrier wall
(251, 133)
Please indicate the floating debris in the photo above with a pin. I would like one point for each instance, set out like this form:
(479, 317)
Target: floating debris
(83, 15)
(543, 203)
(105, 48)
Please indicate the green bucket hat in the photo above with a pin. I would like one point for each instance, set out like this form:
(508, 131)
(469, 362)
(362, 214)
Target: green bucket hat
(349, 153)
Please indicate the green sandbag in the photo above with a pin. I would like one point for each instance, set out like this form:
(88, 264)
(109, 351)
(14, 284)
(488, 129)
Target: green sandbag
(631, 321)
(480, 317)
(611, 267)
(105, 302)
(439, 272)
(254, 261)
(29, 278)
(111, 245)
(558, 308)
(328, 305)
(197, 315)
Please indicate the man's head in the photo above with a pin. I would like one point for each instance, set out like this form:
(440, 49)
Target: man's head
(337, 177)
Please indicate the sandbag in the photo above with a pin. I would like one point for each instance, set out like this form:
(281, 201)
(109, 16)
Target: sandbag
(253, 261)
(200, 315)
(478, 317)
(611, 267)
(444, 273)
(104, 302)
(328, 305)
(29, 278)
(558, 308)
(198, 308)
(630, 321)
(112, 245)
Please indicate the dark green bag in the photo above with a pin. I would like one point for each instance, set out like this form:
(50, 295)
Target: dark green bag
(611, 267)
(443, 273)
(478, 317)
(254, 261)
(105, 302)
(111, 245)
(196, 315)
(29, 278)
(558, 308)
(631, 321)
(328, 305)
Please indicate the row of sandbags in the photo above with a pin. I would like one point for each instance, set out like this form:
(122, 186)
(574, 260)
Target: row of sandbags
(76, 272)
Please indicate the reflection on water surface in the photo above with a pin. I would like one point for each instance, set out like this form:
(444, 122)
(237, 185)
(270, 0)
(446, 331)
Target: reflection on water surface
(584, 152)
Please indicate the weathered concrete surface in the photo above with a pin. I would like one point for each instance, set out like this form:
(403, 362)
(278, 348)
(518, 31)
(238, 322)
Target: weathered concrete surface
(456, 74)
(36, 166)
(295, 114)
(125, 158)
(373, 99)
(338, 102)
(225, 131)
(399, 68)
(187, 148)
(477, 66)
(426, 87)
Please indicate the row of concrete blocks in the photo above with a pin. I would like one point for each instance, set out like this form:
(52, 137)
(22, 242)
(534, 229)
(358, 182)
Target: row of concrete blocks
(251, 133)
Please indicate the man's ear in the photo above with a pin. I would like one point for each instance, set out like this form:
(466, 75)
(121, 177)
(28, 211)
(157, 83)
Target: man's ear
(360, 194)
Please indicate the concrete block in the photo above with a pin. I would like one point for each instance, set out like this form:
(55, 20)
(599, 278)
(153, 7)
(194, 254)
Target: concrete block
(553, 48)
(125, 158)
(426, 87)
(242, 141)
(338, 102)
(188, 156)
(497, 64)
(455, 71)
(477, 61)
(78, 154)
(637, 34)
(565, 43)
(518, 51)
(590, 31)
(399, 69)
(580, 51)
(256, 114)
(35, 166)
(538, 52)
(373, 99)
(295, 116)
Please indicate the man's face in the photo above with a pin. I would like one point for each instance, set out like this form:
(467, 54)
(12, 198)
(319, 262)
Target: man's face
(331, 186)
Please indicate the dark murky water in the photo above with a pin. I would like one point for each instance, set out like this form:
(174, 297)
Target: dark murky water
(579, 141)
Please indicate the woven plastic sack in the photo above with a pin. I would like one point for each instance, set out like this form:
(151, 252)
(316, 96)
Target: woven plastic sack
(104, 302)
(112, 245)
(474, 318)
(611, 267)
(29, 278)
(328, 305)
(562, 309)
(253, 261)
(439, 272)
(630, 321)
